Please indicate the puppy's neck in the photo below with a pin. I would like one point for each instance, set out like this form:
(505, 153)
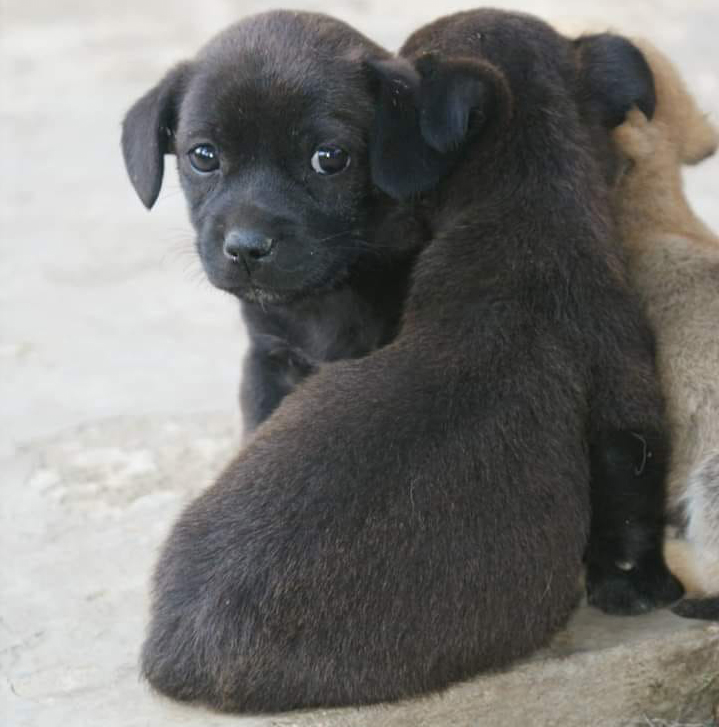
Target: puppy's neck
(651, 203)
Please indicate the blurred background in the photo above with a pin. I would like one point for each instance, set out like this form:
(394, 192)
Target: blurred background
(104, 309)
(119, 363)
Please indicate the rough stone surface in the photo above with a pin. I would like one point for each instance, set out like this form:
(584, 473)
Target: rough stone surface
(119, 368)
(89, 510)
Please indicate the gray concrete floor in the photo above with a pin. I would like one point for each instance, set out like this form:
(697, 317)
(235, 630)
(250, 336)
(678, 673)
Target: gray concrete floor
(110, 335)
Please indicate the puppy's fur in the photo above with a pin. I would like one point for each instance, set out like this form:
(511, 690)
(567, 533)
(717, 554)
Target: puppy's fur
(626, 572)
(349, 247)
(266, 94)
(409, 518)
(674, 261)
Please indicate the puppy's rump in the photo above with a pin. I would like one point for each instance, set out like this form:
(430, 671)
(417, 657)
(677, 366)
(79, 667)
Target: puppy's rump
(362, 564)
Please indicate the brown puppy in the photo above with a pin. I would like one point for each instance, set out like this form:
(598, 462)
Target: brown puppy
(409, 518)
(674, 260)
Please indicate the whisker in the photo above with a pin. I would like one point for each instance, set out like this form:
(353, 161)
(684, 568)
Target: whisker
(349, 232)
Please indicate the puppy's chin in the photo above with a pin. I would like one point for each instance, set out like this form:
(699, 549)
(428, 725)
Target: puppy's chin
(251, 290)
(263, 297)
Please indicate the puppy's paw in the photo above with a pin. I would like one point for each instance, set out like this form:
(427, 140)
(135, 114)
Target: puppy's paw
(701, 608)
(632, 591)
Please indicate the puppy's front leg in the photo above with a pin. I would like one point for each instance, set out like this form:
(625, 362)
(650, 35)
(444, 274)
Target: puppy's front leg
(271, 370)
(626, 571)
(629, 458)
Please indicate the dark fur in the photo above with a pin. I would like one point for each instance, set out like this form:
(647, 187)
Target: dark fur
(626, 571)
(266, 93)
(289, 342)
(706, 608)
(407, 519)
(358, 307)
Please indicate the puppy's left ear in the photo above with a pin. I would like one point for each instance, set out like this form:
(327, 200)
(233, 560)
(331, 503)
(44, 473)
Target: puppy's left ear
(458, 98)
(147, 133)
(614, 76)
(401, 161)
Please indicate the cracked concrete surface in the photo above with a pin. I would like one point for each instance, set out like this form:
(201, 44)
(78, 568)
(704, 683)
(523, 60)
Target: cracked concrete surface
(119, 371)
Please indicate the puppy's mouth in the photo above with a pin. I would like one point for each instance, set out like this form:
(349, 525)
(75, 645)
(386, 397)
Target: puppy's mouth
(278, 286)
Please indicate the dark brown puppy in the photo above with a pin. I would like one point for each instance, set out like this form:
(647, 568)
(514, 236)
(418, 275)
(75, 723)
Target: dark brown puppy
(269, 127)
(410, 518)
(429, 115)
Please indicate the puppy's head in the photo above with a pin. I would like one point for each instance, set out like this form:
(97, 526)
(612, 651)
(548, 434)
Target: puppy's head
(269, 127)
(488, 77)
(679, 133)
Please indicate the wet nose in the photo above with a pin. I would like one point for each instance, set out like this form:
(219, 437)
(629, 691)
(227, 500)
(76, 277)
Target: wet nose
(250, 245)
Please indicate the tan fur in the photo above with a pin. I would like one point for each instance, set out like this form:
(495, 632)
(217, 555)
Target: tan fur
(695, 568)
(674, 261)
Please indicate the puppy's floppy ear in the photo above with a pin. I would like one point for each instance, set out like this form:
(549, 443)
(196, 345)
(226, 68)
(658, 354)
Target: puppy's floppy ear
(613, 77)
(457, 96)
(424, 113)
(147, 132)
(401, 161)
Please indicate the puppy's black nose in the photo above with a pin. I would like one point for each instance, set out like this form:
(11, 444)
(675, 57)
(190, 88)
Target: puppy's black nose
(250, 245)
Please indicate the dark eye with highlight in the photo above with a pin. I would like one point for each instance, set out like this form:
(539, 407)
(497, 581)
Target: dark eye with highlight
(204, 158)
(329, 159)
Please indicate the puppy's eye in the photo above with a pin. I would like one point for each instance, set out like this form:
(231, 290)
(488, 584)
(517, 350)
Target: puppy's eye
(330, 159)
(204, 158)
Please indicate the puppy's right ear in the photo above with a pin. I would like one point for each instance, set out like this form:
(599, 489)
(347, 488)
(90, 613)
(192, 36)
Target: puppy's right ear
(147, 133)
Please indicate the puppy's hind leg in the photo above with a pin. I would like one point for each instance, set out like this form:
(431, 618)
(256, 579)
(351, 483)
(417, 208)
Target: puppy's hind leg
(700, 608)
(702, 506)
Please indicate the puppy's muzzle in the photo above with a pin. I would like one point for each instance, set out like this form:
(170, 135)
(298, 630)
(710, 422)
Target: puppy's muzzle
(248, 246)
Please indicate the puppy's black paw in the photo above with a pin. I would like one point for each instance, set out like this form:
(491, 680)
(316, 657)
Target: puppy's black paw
(634, 591)
(701, 608)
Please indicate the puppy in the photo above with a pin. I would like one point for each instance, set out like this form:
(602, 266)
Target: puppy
(335, 275)
(409, 518)
(626, 572)
(285, 213)
(674, 261)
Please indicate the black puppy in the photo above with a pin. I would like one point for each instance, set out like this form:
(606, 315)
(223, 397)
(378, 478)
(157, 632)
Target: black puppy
(411, 517)
(286, 216)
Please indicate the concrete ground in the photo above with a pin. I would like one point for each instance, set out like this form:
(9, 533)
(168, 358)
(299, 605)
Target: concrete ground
(119, 371)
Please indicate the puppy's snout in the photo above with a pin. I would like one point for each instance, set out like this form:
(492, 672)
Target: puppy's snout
(247, 245)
